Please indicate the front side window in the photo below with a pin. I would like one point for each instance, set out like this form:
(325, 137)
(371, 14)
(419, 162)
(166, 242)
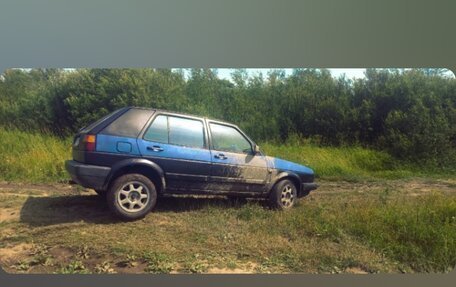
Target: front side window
(227, 138)
(177, 131)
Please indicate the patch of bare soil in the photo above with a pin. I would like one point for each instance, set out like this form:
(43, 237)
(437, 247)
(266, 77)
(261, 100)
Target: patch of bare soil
(39, 189)
(417, 187)
(9, 214)
(355, 270)
(228, 271)
(248, 268)
(412, 187)
(61, 254)
(136, 268)
(11, 253)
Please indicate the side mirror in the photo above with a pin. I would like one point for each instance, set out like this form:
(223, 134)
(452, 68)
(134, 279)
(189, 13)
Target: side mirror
(256, 150)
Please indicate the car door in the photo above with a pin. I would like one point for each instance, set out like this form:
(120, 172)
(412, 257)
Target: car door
(235, 167)
(178, 144)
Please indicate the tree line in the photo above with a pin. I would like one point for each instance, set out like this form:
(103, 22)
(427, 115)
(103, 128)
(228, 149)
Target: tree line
(409, 113)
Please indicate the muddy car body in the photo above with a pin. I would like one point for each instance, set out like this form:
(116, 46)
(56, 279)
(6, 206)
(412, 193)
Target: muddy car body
(135, 155)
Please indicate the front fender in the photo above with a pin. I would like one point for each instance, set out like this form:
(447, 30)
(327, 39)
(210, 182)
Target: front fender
(285, 174)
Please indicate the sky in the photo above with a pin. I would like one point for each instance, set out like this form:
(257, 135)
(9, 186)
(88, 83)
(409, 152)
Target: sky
(350, 73)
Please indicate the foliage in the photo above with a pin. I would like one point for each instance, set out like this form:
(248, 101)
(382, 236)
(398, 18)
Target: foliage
(74, 267)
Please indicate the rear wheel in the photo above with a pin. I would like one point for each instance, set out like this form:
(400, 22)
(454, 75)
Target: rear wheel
(283, 195)
(132, 196)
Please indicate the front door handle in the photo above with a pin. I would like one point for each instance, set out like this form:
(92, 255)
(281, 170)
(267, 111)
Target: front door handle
(220, 156)
(155, 148)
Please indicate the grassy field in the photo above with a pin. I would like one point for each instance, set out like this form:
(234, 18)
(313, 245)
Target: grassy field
(28, 157)
(371, 214)
(353, 163)
(38, 158)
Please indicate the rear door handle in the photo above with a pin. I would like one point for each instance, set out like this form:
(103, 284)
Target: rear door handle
(220, 156)
(155, 148)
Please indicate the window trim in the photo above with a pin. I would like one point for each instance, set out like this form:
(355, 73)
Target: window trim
(205, 142)
(209, 122)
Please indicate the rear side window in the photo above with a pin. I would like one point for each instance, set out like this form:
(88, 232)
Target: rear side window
(186, 132)
(158, 130)
(177, 131)
(129, 124)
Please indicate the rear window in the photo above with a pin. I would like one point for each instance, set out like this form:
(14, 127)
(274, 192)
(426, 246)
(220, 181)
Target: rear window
(129, 124)
(88, 128)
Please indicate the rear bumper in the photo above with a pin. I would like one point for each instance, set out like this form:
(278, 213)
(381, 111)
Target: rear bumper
(307, 187)
(90, 176)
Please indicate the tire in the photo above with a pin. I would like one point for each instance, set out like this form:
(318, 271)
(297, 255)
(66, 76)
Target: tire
(131, 196)
(283, 195)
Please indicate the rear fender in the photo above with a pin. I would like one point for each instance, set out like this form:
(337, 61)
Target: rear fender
(123, 166)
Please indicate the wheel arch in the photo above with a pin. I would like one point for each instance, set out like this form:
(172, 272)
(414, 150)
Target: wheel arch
(145, 167)
(286, 175)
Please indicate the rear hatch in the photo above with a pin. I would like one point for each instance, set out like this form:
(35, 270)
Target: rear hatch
(84, 140)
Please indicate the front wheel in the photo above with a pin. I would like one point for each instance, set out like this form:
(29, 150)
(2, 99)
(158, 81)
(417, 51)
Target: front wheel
(132, 196)
(283, 195)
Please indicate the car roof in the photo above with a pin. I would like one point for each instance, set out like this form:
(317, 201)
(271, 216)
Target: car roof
(183, 114)
(194, 116)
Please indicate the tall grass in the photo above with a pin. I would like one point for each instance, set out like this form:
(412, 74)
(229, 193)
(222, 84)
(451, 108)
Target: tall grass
(32, 157)
(349, 163)
(40, 157)
(420, 232)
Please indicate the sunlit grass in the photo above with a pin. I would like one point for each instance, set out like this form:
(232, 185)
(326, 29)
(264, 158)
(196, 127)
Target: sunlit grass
(39, 157)
(348, 163)
(32, 157)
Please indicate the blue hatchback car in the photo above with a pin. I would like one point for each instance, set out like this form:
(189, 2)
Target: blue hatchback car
(135, 155)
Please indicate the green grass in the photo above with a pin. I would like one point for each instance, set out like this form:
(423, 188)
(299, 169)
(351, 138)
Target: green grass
(34, 158)
(350, 163)
(419, 232)
(29, 157)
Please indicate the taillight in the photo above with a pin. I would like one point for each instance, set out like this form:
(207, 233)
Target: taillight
(90, 142)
